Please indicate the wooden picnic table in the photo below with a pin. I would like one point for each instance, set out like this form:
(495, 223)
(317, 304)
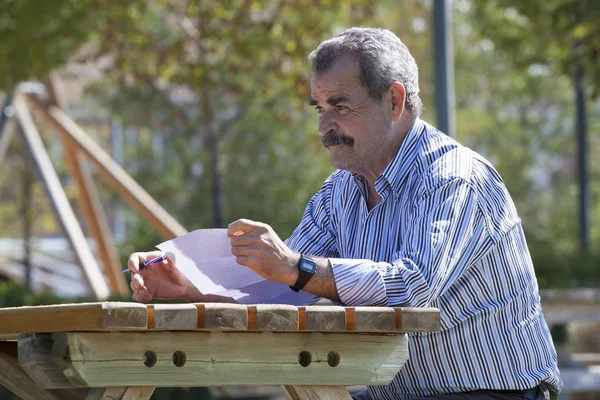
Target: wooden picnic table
(115, 350)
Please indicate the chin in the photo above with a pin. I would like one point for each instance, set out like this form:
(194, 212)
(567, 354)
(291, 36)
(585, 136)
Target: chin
(338, 160)
(337, 164)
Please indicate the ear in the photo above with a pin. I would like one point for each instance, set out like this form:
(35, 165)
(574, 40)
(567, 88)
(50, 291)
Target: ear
(397, 99)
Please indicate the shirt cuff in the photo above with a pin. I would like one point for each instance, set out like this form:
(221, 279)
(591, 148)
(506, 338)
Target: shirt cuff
(359, 282)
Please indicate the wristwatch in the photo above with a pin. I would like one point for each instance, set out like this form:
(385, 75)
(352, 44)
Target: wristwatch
(306, 269)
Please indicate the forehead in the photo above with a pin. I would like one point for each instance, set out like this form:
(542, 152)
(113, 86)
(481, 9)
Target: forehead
(342, 76)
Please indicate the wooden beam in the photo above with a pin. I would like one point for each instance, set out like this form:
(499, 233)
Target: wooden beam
(91, 205)
(113, 393)
(114, 175)
(121, 393)
(35, 357)
(59, 200)
(99, 359)
(6, 113)
(317, 392)
(5, 137)
(95, 219)
(55, 92)
(15, 379)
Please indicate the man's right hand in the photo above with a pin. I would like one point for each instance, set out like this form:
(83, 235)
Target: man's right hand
(159, 281)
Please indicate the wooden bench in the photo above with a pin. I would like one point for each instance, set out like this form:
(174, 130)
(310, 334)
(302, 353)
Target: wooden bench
(561, 306)
(564, 306)
(124, 350)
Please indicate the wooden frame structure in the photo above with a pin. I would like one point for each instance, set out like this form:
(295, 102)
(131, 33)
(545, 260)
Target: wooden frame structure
(79, 150)
(124, 350)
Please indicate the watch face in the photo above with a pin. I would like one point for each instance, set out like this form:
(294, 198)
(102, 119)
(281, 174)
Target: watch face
(308, 265)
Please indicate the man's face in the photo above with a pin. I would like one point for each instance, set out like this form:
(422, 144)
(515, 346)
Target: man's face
(352, 125)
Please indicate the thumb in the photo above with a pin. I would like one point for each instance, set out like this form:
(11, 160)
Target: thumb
(242, 226)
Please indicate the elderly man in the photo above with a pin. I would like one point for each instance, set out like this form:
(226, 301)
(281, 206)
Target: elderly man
(410, 218)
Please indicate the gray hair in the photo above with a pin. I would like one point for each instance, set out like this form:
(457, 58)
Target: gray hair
(383, 60)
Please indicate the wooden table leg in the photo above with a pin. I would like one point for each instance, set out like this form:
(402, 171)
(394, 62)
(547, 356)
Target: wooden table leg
(121, 393)
(295, 392)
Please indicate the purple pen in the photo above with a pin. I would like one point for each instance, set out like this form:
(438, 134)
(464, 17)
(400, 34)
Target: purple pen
(144, 264)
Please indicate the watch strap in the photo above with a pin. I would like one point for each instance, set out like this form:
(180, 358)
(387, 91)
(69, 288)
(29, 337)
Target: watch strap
(303, 276)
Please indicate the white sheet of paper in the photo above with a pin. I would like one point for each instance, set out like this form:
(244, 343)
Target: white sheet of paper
(204, 257)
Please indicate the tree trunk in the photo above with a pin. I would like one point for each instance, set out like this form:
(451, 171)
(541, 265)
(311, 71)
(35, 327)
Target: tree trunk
(215, 179)
(27, 214)
(211, 145)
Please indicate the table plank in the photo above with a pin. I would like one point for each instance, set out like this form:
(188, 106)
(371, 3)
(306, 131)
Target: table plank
(273, 317)
(174, 316)
(562, 306)
(413, 319)
(115, 316)
(222, 316)
(374, 319)
(325, 318)
(67, 317)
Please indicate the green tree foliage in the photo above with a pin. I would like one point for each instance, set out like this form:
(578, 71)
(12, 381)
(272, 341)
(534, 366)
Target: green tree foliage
(204, 76)
(561, 33)
(36, 37)
(517, 59)
(222, 87)
(212, 66)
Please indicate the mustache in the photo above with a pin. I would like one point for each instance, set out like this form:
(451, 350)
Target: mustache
(332, 139)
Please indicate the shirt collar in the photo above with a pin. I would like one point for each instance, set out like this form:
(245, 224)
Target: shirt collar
(395, 172)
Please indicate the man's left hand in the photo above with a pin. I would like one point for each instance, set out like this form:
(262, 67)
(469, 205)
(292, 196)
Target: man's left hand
(256, 246)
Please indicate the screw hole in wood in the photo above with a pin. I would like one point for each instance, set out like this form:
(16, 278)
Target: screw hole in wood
(304, 358)
(333, 358)
(179, 358)
(149, 359)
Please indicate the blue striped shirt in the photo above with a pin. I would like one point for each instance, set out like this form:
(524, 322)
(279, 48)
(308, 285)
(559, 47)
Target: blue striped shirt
(447, 235)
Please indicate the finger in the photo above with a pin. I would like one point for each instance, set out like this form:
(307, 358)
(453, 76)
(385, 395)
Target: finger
(143, 294)
(244, 239)
(135, 259)
(240, 251)
(242, 226)
(170, 259)
(137, 283)
(143, 298)
(243, 260)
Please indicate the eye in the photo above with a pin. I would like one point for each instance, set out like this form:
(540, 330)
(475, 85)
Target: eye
(341, 107)
(319, 109)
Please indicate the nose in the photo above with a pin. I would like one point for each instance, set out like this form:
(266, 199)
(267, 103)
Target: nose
(327, 124)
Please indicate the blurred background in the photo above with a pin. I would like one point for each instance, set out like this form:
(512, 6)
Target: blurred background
(204, 104)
